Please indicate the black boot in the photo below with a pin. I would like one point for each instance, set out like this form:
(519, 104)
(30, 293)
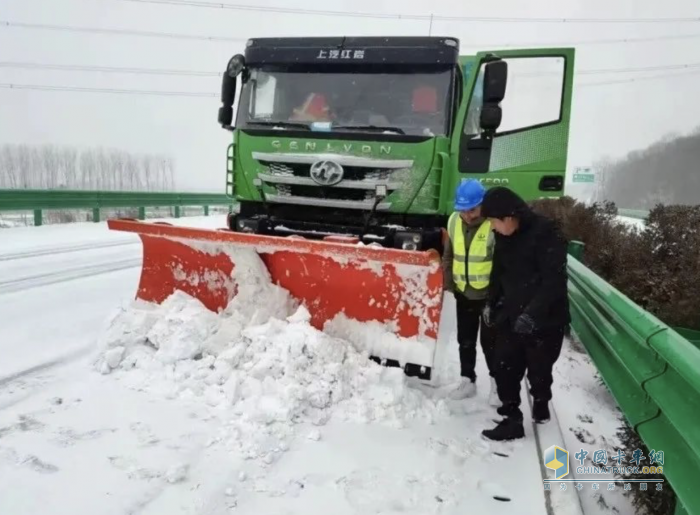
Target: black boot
(540, 411)
(507, 429)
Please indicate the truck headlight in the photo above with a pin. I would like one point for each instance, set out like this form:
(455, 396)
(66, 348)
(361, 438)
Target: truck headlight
(408, 240)
(247, 225)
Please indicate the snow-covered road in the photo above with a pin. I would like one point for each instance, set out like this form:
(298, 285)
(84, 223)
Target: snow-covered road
(59, 283)
(632, 222)
(220, 435)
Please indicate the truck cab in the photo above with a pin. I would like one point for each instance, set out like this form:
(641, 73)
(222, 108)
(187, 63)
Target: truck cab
(367, 137)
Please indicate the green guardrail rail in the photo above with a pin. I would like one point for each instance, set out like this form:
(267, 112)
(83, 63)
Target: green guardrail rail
(39, 200)
(652, 370)
(638, 214)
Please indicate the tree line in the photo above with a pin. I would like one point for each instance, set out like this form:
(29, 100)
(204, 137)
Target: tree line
(667, 172)
(65, 167)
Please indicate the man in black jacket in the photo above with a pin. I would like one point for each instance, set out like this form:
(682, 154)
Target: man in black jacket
(528, 304)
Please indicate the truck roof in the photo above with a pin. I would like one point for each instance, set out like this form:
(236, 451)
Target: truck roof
(350, 49)
(356, 42)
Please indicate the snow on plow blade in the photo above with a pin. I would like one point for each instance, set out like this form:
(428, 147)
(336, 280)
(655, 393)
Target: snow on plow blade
(366, 284)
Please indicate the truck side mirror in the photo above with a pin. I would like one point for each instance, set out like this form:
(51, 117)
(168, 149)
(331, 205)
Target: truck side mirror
(228, 90)
(495, 80)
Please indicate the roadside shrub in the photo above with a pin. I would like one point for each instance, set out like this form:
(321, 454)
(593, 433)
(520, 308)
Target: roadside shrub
(657, 268)
(672, 243)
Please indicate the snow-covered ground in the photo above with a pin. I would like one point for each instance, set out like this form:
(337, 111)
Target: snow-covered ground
(589, 419)
(57, 284)
(633, 222)
(113, 406)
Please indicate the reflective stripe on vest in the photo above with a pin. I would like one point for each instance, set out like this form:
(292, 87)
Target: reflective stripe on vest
(480, 261)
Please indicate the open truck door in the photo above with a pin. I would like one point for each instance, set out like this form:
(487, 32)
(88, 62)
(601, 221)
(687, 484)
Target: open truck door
(513, 128)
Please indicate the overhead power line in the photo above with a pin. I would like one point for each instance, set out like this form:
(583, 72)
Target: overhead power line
(115, 32)
(106, 69)
(200, 94)
(637, 79)
(224, 39)
(43, 87)
(424, 17)
(204, 73)
(681, 66)
(583, 42)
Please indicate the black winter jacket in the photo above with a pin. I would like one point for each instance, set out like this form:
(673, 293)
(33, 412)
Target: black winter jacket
(529, 275)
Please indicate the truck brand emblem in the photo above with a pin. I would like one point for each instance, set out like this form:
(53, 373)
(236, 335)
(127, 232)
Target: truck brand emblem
(340, 54)
(326, 173)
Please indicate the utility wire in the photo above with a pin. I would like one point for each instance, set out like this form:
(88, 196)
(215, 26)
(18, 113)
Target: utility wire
(201, 73)
(582, 42)
(636, 79)
(175, 35)
(42, 87)
(681, 66)
(425, 17)
(115, 32)
(106, 69)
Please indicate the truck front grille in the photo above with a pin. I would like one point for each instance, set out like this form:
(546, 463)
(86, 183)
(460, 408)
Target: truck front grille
(289, 175)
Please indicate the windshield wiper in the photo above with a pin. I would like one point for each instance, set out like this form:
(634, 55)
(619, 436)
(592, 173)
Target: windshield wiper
(398, 130)
(306, 126)
(286, 125)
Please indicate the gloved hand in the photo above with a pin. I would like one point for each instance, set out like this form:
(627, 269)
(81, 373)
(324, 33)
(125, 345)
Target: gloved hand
(524, 324)
(486, 316)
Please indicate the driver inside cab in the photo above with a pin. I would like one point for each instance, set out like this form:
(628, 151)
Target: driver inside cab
(315, 108)
(425, 108)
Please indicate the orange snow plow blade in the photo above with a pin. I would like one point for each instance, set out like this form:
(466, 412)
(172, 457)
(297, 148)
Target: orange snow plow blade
(398, 287)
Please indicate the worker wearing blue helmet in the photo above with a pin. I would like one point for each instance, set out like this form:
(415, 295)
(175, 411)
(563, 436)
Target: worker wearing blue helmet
(467, 262)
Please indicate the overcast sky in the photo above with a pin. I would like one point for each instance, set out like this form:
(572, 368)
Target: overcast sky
(609, 120)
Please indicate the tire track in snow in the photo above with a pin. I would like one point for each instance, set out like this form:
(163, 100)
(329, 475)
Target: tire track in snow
(70, 274)
(36, 378)
(42, 367)
(67, 249)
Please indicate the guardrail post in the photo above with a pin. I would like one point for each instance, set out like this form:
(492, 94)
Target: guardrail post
(177, 211)
(95, 214)
(576, 249)
(142, 213)
(206, 210)
(37, 217)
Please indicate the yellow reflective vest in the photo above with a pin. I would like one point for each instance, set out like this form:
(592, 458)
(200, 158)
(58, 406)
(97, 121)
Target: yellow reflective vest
(476, 266)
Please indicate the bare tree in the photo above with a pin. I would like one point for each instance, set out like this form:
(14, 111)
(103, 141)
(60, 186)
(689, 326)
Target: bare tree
(666, 172)
(49, 166)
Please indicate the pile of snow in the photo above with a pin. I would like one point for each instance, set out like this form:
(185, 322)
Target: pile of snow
(260, 365)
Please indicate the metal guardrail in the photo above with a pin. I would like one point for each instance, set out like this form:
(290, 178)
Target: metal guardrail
(638, 214)
(39, 200)
(652, 371)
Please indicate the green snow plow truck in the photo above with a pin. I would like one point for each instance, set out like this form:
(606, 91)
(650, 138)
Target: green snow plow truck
(369, 136)
(345, 156)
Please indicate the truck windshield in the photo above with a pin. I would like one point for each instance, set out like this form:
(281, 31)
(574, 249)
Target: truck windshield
(411, 103)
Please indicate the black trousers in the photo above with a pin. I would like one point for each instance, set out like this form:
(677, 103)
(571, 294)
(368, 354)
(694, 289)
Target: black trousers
(517, 354)
(469, 321)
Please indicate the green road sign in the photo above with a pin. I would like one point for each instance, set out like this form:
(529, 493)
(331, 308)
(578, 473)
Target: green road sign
(584, 174)
(584, 177)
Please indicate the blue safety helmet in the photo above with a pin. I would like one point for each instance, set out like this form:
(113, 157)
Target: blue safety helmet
(469, 194)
